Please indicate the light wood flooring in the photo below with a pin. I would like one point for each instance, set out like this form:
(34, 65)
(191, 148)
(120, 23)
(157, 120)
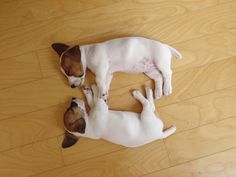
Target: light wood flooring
(34, 94)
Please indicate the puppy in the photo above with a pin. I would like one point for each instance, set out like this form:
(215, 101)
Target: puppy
(124, 128)
(131, 54)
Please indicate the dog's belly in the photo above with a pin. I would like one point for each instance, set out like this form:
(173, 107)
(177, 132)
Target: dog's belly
(133, 66)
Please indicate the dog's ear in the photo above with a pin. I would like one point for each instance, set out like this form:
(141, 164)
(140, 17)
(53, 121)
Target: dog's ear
(75, 51)
(79, 125)
(69, 140)
(60, 48)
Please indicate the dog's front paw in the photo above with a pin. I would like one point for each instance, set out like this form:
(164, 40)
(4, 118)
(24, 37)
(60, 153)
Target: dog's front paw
(87, 90)
(158, 93)
(149, 92)
(104, 96)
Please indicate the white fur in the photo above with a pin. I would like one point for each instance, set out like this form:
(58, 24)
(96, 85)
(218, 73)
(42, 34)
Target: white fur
(125, 128)
(131, 54)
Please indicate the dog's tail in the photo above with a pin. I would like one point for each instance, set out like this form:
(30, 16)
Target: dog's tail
(175, 52)
(168, 132)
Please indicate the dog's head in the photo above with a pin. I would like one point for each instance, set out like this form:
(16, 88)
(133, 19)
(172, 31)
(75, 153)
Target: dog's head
(71, 64)
(74, 122)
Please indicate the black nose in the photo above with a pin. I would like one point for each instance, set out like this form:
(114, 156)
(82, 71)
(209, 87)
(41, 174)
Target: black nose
(72, 86)
(73, 104)
(73, 98)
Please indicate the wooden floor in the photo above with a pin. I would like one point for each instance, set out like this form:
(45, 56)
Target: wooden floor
(34, 94)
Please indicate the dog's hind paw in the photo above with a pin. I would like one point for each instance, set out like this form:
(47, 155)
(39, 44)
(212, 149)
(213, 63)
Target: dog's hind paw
(136, 94)
(167, 90)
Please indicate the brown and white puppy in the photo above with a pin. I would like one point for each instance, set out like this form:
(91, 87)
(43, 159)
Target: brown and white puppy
(129, 129)
(131, 54)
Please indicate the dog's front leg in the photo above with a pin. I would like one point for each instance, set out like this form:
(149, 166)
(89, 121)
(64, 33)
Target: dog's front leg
(89, 96)
(101, 80)
(108, 80)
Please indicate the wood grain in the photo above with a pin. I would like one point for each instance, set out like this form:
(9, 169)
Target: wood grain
(32, 127)
(86, 27)
(202, 141)
(18, 70)
(35, 95)
(191, 26)
(217, 165)
(31, 159)
(127, 162)
(205, 50)
(17, 13)
(87, 149)
(201, 110)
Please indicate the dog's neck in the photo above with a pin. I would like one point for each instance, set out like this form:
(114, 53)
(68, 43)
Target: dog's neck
(84, 53)
(89, 130)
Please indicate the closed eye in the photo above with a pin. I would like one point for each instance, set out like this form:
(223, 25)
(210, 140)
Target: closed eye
(81, 75)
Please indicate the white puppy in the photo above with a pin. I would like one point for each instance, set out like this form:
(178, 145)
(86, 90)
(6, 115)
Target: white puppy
(125, 128)
(131, 54)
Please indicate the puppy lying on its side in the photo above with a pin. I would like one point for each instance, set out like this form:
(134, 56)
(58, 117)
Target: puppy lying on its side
(125, 128)
(131, 54)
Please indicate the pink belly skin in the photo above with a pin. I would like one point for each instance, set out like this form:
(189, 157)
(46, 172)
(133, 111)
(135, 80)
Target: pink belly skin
(145, 65)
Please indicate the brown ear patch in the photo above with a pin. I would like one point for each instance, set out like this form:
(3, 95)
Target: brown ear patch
(73, 120)
(71, 62)
(60, 48)
(69, 140)
(80, 125)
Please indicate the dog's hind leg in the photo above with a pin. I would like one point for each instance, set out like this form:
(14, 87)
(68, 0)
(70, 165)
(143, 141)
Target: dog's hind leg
(149, 94)
(138, 96)
(157, 77)
(108, 80)
(95, 92)
(163, 63)
(167, 76)
(148, 104)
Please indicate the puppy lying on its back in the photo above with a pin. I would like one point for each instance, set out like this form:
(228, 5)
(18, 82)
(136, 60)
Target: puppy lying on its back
(125, 128)
(131, 54)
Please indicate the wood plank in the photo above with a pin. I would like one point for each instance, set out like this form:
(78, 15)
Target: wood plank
(87, 149)
(35, 95)
(17, 13)
(32, 127)
(202, 80)
(127, 162)
(201, 110)
(225, 1)
(20, 69)
(90, 26)
(202, 141)
(218, 165)
(205, 50)
(31, 159)
(188, 26)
